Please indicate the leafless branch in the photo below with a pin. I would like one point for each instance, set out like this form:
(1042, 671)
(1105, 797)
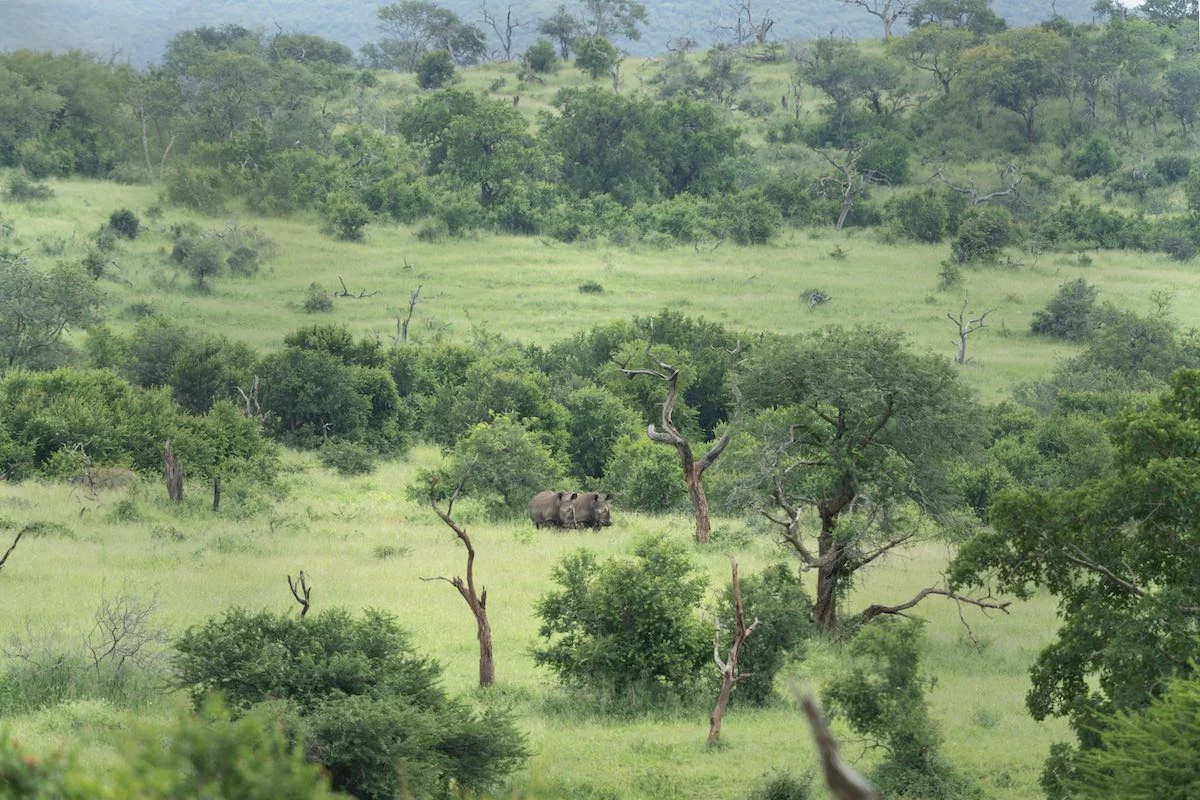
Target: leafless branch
(987, 603)
(843, 782)
(13, 546)
(301, 591)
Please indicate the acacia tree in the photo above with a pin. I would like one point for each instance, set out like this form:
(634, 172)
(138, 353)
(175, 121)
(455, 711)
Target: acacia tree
(1018, 70)
(851, 425)
(37, 308)
(1119, 553)
(934, 49)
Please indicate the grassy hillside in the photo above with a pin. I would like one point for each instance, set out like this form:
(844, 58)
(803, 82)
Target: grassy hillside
(528, 288)
(362, 545)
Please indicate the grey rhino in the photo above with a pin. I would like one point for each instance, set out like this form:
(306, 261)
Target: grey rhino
(556, 509)
(592, 510)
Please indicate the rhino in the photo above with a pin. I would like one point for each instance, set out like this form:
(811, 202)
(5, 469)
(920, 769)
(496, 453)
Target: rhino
(592, 510)
(556, 509)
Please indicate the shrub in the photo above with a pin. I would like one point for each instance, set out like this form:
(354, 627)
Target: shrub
(920, 216)
(645, 475)
(596, 55)
(1173, 167)
(435, 69)
(505, 459)
(124, 222)
(983, 231)
(21, 189)
(1070, 314)
(541, 56)
(626, 625)
(749, 218)
(782, 786)
(591, 287)
(204, 261)
(317, 300)
(346, 216)
(243, 261)
(1097, 157)
(1178, 246)
(373, 709)
(199, 188)
(597, 419)
(348, 458)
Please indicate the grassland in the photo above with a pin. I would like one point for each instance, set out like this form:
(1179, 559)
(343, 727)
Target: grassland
(363, 544)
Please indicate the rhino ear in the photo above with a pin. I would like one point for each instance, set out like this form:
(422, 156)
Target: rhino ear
(559, 495)
(574, 495)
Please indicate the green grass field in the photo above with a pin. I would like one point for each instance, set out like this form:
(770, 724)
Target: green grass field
(337, 530)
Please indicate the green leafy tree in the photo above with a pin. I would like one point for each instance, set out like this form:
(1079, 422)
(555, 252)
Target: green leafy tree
(1183, 90)
(210, 368)
(1070, 314)
(936, 49)
(596, 56)
(505, 459)
(412, 28)
(205, 261)
(982, 232)
(1144, 754)
(852, 424)
(1118, 554)
(490, 148)
(604, 19)
(625, 625)
(562, 27)
(1018, 70)
(975, 16)
(540, 57)
(435, 69)
(597, 419)
(644, 476)
(37, 308)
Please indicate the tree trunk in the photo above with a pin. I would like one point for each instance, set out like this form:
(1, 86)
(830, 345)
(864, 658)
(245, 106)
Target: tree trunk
(487, 666)
(730, 677)
(699, 501)
(714, 721)
(172, 474)
(216, 493)
(824, 613)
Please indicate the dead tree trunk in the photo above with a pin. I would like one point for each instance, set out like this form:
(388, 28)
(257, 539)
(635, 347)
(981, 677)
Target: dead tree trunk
(216, 493)
(965, 328)
(477, 602)
(843, 782)
(172, 474)
(412, 304)
(730, 677)
(12, 546)
(693, 470)
(302, 592)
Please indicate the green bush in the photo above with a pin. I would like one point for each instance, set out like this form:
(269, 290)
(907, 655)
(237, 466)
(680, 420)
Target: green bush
(435, 69)
(199, 188)
(541, 56)
(920, 216)
(23, 190)
(317, 300)
(597, 419)
(124, 222)
(346, 216)
(204, 261)
(348, 458)
(1070, 314)
(645, 475)
(625, 626)
(372, 709)
(506, 460)
(243, 261)
(983, 231)
(1097, 157)
(776, 598)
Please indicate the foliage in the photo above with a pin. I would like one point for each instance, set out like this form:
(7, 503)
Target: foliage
(1115, 552)
(541, 57)
(921, 216)
(1143, 754)
(505, 459)
(645, 475)
(775, 598)
(596, 420)
(373, 709)
(205, 260)
(346, 216)
(435, 69)
(37, 307)
(124, 222)
(209, 368)
(1070, 314)
(1096, 157)
(348, 458)
(982, 233)
(883, 698)
(625, 625)
(317, 300)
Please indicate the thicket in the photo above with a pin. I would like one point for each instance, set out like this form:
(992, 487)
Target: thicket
(369, 707)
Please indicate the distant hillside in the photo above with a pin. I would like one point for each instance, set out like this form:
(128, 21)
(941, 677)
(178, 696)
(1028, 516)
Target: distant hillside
(137, 30)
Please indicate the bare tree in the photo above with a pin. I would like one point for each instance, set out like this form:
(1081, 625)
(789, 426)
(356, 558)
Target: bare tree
(503, 31)
(13, 546)
(401, 336)
(745, 27)
(965, 328)
(172, 474)
(1010, 179)
(477, 601)
(730, 677)
(302, 592)
(888, 11)
(693, 469)
(843, 782)
(122, 635)
(850, 181)
(251, 405)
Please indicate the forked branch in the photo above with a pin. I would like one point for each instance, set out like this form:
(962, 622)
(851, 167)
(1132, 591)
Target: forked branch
(730, 676)
(13, 546)
(986, 603)
(301, 591)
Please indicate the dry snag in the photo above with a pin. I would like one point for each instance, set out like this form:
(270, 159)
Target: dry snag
(476, 601)
(692, 469)
(965, 328)
(172, 474)
(843, 782)
(12, 546)
(730, 677)
(301, 591)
